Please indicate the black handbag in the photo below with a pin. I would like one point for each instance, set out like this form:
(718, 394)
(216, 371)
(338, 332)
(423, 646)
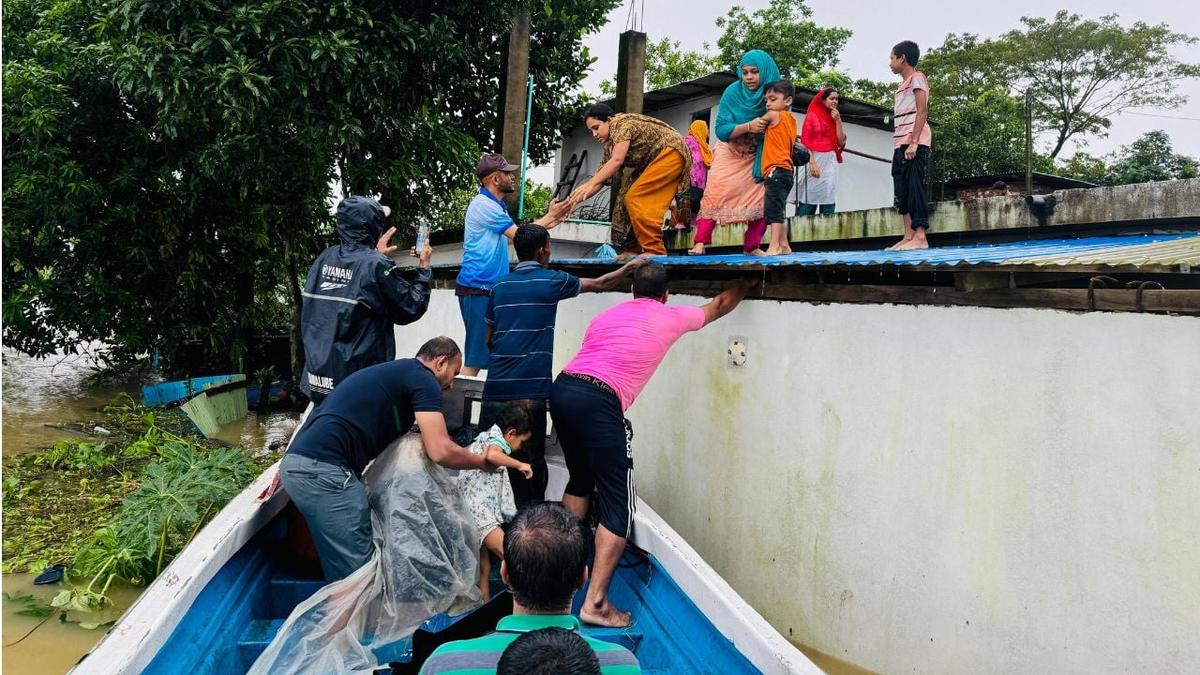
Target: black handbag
(800, 154)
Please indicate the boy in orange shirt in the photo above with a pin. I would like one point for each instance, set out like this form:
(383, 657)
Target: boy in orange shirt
(777, 168)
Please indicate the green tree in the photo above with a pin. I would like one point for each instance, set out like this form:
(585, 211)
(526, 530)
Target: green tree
(1149, 158)
(861, 89)
(803, 50)
(666, 64)
(978, 136)
(452, 212)
(167, 164)
(1084, 166)
(786, 31)
(1081, 72)
(980, 124)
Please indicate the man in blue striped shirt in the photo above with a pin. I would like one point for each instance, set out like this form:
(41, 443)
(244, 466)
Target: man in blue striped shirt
(520, 317)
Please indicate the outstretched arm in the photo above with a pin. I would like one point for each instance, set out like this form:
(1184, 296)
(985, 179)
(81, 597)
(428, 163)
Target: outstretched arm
(497, 457)
(442, 450)
(727, 300)
(610, 280)
(615, 161)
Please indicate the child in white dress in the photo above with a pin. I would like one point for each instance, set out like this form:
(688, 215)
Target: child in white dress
(489, 494)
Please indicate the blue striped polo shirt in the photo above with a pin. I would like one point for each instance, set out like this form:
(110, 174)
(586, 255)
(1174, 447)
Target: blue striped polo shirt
(522, 311)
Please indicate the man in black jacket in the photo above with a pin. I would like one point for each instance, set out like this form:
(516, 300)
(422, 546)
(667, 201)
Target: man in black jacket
(353, 298)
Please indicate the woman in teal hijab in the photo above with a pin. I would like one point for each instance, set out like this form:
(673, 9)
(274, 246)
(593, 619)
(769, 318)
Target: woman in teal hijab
(732, 195)
(742, 103)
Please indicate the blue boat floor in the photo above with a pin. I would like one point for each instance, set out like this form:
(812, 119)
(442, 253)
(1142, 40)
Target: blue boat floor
(287, 593)
(243, 607)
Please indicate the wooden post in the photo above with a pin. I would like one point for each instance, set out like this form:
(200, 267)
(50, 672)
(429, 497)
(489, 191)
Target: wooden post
(631, 86)
(631, 72)
(515, 84)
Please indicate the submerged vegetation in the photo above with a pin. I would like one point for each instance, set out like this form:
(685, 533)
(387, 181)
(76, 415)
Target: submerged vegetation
(117, 509)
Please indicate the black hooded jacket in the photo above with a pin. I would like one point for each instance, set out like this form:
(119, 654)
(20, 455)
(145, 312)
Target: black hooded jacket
(353, 297)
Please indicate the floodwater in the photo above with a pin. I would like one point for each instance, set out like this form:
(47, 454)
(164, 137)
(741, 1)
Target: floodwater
(52, 647)
(58, 391)
(55, 390)
(831, 664)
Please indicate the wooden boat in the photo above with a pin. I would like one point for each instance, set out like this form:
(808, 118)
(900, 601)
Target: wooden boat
(170, 393)
(220, 602)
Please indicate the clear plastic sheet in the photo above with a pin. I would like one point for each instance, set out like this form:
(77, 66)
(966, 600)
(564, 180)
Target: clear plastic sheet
(425, 563)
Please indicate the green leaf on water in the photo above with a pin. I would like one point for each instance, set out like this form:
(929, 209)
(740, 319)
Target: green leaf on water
(31, 606)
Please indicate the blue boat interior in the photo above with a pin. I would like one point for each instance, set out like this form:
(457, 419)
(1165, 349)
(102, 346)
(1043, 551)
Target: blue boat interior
(236, 615)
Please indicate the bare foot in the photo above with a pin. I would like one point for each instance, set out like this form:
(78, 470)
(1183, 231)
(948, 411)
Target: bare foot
(772, 251)
(607, 615)
(911, 245)
(755, 251)
(896, 246)
(786, 250)
(698, 249)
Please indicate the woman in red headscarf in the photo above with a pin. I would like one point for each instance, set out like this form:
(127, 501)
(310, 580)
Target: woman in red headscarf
(824, 137)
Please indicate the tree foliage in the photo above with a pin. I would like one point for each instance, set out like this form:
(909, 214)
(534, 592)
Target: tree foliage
(452, 211)
(804, 52)
(1081, 72)
(979, 136)
(667, 63)
(1148, 159)
(168, 163)
(786, 31)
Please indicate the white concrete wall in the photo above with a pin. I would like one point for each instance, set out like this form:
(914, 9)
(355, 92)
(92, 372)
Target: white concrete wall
(863, 183)
(934, 490)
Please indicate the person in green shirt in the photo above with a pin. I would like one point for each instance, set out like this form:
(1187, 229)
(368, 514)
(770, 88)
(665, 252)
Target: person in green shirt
(545, 563)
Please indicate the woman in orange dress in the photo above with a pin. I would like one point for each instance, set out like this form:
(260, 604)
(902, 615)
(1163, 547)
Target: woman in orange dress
(660, 162)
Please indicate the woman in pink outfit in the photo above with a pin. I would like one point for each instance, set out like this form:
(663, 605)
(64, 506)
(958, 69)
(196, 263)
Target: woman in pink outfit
(732, 194)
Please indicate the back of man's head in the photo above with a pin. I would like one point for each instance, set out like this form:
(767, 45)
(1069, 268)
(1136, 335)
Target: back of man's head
(439, 346)
(529, 240)
(650, 281)
(549, 651)
(545, 554)
(360, 220)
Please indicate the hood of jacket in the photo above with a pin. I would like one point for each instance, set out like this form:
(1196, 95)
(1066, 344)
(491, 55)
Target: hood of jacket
(360, 220)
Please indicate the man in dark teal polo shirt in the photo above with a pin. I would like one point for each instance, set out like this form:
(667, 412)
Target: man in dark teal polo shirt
(545, 563)
(520, 317)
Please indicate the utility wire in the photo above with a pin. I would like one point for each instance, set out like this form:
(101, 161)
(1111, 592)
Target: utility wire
(1165, 117)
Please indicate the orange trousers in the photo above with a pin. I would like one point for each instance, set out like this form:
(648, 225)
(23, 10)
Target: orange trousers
(649, 198)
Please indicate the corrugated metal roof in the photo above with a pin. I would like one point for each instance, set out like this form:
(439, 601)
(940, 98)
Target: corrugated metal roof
(1127, 250)
(1179, 251)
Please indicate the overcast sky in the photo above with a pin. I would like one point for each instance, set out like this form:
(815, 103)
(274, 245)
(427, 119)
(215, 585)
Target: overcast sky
(877, 26)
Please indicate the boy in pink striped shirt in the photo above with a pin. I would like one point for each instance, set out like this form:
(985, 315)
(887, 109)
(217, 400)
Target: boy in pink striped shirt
(912, 138)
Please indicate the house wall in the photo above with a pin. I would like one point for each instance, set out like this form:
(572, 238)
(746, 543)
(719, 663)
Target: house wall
(929, 489)
(863, 183)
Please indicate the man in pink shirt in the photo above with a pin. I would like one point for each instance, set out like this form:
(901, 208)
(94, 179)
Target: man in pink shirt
(621, 350)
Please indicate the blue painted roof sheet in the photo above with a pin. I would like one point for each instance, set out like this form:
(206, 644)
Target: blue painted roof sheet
(1131, 250)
